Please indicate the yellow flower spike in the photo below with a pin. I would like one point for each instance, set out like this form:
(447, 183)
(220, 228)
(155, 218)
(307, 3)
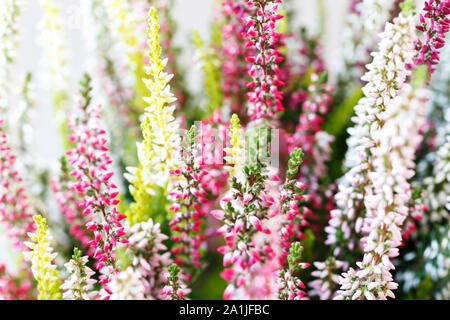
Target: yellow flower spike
(235, 154)
(41, 256)
(160, 131)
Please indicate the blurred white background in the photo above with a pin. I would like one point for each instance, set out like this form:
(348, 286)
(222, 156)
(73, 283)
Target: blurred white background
(189, 14)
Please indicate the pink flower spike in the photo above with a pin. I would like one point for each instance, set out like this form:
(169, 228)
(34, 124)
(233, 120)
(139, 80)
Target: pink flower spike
(218, 214)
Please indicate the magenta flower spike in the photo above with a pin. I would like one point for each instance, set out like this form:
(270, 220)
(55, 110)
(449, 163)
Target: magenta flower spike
(264, 93)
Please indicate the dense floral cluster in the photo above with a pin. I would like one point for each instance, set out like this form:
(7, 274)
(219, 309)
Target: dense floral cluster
(15, 209)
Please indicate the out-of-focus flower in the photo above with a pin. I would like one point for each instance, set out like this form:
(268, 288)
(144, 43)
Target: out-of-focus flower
(437, 190)
(157, 153)
(429, 265)
(24, 139)
(364, 21)
(42, 256)
(304, 55)
(90, 161)
(63, 188)
(438, 263)
(9, 30)
(150, 256)
(16, 287)
(316, 143)
(55, 62)
(438, 115)
(115, 83)
(387, 197)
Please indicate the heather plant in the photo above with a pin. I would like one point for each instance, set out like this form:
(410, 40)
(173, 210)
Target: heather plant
(284, 176)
